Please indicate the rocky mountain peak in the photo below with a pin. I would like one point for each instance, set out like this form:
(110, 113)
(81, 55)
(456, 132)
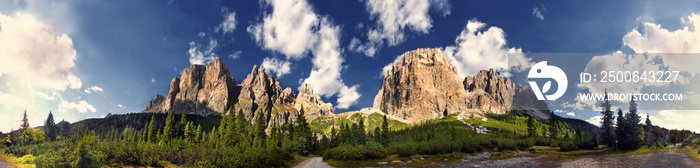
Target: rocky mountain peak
(423, 84)
(490, 92)
(200, 90)
(312, 103)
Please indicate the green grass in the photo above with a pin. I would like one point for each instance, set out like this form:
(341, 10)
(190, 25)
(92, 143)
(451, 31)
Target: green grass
(692, 150)
(324, 124)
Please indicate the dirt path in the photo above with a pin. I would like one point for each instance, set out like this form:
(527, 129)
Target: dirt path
(4, 164)
(315, 162)
(665, 158)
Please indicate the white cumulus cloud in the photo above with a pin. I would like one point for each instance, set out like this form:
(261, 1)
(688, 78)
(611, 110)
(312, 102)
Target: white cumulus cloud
(81, 106)
(200, 55)
(293, 29)
(276, 66)
(595, 120)
(235, 55)
(35, 67)
(658, 40)
(93, 89)
(289, 29)
(229, 23)
(121, 106)
(393, 18)
(479, 48)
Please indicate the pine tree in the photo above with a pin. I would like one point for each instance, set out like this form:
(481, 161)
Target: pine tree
(385, 131)
(620, 131)
(181, 125)
(648, 125)
(361, 137)
(303, 134)
(168, 130)
(151, 127)
(553, 126)
(634, 130)
(608, 136)
(241, 125)
(198, 133)
(531, 130)
(50, 127)
(25, 123)
(231, 133)
(260, 135)
(212, 137)
(354, 133)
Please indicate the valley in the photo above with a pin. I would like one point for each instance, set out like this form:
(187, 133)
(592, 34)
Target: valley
(425, 115)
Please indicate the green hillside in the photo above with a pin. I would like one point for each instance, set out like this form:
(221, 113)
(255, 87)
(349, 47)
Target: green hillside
(324, 124)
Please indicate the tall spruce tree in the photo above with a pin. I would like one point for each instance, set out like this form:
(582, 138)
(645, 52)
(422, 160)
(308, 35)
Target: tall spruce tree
(169, 128)
(25, 123)
(648, 126)
(151, 128)
(182, 125)
(553, 126)
(531, 129)
(620, 131)
(361, 137)
(385, 131)
(634, 130)
(260, 128)
(50, 127)
(608, 136)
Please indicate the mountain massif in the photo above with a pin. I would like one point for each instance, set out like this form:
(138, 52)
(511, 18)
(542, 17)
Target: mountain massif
(205, 90)
(421, 85)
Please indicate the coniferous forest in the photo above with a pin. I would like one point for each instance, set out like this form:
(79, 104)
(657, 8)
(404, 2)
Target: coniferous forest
(229, 140)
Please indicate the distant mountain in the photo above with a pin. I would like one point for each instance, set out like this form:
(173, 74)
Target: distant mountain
(210, 89)
(423, 84)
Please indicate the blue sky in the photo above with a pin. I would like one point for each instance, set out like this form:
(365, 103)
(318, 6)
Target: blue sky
(100, 57)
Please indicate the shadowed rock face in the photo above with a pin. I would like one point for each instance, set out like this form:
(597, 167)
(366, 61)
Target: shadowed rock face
(312, 103)
(210, 89)
(423, 84)
(201, 90)
(490, 92)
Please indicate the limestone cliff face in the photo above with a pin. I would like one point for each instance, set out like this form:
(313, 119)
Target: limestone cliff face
(201, 90)
(423, 84)
(487, 91)
(312, 103)
(258, 93)
(209, 89)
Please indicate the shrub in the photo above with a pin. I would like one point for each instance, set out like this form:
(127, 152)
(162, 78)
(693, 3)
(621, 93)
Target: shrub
(27, 159)
(371, 150)
(567, 146)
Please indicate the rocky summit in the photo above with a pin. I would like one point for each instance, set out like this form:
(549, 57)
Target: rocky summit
(488, 91)
(423, 84)
(201, 90)
(205, 90)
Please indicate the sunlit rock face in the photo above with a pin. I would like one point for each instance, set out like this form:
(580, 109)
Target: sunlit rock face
(423, 84)
(205, 90)
(201, 90)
